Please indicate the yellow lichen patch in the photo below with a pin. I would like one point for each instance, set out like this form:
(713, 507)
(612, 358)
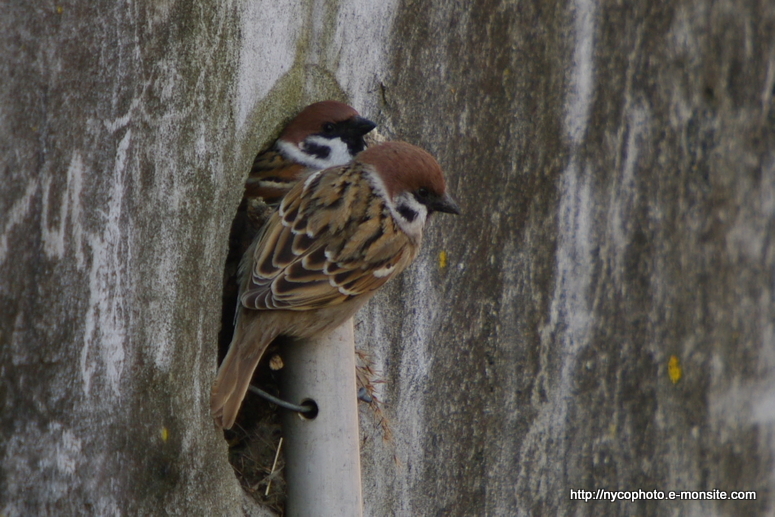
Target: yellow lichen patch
(674, 370)
(443, 259)
(165, 434)
(60, 9)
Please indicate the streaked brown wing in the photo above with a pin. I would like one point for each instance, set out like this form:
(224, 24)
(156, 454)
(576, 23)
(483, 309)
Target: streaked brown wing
(272, 176)
(270, 159)
(331, 240)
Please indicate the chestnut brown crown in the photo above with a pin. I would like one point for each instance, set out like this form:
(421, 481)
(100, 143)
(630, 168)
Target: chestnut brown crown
(330, 117)
(404, 168)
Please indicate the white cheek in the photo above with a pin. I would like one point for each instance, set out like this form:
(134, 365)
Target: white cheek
(339, 155)
(414, 227)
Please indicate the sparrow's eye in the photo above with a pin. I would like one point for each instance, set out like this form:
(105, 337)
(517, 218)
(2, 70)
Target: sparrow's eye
(423, 192)
(328, 127)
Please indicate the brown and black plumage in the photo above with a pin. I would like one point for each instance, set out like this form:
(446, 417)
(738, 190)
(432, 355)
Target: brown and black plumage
(336, 238)
(324, 134)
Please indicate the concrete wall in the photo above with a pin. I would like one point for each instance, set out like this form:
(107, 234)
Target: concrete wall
(616, 169)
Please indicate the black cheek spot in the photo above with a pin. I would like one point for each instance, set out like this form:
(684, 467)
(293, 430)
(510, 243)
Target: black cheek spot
(317, 150)
(407, 213)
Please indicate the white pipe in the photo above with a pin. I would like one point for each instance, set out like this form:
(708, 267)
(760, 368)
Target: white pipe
(322, 455)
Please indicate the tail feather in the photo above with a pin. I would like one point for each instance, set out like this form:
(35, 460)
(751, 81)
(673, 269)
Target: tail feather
(247, 346)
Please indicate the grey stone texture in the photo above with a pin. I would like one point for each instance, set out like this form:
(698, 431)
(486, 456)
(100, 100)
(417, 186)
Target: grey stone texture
(615, 162)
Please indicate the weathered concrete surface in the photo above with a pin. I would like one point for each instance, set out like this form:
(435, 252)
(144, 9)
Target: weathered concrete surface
(119, 175)
(615, 163)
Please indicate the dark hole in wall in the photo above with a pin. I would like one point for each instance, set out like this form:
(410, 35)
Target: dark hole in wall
(243, 231)
(254, 438)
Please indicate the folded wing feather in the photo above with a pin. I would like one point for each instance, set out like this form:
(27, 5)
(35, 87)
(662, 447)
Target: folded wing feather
(320, 249)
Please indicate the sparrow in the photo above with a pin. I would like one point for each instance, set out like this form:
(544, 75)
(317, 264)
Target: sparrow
(335, 239)
(324, 134)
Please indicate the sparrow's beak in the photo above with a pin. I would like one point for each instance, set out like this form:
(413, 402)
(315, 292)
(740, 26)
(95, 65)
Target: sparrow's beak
(360, 126)
(445, 204)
